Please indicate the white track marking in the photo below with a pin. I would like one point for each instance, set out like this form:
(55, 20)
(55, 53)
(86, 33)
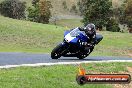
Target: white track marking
(61, 63)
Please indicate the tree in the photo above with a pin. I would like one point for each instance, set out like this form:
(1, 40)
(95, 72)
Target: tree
(40, 12)
(126, 17)
(96, 12)
(33, 14)
(113, 22)
(128, 13)
(112, 25)
(35, 2)
(13, 9)
(45, 13)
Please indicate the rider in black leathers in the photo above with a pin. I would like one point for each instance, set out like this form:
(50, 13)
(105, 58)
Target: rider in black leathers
(90, 31)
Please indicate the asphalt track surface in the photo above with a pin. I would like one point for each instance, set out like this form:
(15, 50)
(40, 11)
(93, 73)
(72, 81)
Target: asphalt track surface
(26, 58)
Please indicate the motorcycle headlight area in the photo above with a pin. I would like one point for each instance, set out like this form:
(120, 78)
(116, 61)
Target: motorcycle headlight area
(66, 40)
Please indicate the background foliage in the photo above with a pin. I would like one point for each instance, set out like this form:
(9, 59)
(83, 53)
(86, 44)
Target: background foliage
(40, 12)
(95, 11)
(13, 9)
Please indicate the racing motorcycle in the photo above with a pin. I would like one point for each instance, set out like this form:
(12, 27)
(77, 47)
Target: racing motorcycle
(73, 45)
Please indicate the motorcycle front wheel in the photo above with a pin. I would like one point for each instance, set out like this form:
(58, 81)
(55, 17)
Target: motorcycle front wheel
(58, 51)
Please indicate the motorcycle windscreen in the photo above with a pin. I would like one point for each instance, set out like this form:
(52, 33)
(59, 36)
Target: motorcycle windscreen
(71, 39)
(79, 35)
(66, 32)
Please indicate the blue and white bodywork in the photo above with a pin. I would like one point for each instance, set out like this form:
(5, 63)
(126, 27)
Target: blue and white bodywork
(75, 35)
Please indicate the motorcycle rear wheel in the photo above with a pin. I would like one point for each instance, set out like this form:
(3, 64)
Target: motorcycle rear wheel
(82, 56)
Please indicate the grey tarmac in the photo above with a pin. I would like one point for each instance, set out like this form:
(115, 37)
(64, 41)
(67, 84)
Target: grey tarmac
(28, 58)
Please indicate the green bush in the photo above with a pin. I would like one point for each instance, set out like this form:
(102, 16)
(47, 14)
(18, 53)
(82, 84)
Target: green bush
(40, 12)
(13, 9)
(112, 25)
(97, 12)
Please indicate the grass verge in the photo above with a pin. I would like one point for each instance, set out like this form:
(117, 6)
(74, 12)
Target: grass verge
(59, 76)
(69, 23)
(26, 36)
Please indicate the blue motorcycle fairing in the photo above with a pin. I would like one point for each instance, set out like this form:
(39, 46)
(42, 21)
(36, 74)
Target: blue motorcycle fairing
(75, 35)
(83, 37)
(64, 44)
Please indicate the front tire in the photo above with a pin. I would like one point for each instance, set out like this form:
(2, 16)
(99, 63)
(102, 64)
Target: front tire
(57, 51)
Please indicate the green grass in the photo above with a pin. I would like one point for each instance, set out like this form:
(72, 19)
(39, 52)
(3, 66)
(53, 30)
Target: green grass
(55, 76)
(112, 67)
(114, 44)
(69, 23)
(26, 36)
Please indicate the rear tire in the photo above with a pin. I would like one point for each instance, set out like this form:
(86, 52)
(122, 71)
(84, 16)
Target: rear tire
(57, 51)
(85, 55)
(81, 56)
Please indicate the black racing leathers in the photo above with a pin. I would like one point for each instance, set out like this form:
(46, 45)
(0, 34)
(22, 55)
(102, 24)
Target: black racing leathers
(91, 38)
